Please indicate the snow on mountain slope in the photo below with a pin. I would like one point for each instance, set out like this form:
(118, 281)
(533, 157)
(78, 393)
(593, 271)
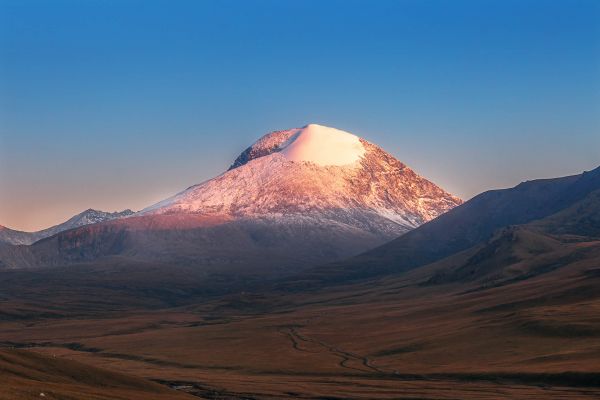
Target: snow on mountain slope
(319, 144)
(321, 172)
(86, 217)
(11, 236)
(323, 146)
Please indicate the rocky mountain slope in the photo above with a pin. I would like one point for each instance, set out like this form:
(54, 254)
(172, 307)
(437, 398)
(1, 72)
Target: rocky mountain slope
(86, 217)
(321, 172)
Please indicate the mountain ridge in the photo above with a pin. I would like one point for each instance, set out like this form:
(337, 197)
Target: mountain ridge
(465, 226)
(87, 217)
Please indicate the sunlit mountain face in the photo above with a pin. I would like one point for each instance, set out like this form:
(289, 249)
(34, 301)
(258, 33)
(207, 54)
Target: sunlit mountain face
(315, 170)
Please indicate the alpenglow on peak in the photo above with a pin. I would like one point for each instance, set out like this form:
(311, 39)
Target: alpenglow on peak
(323, 146)
(314, 143)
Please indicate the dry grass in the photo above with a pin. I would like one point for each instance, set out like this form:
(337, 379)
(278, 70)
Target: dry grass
(396, 337)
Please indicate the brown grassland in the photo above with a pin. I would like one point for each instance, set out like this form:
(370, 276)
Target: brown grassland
(533, 331)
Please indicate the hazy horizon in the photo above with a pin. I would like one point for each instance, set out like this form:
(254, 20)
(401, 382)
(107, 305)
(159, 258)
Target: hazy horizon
(115, 106)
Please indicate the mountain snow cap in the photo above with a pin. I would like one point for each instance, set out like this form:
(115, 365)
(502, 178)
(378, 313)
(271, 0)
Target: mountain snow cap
(323, 146)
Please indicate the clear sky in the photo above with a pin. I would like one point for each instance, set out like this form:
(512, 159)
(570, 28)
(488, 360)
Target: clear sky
(117, 104)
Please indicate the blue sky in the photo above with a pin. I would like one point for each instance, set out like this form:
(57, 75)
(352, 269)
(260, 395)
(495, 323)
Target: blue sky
(117, 104)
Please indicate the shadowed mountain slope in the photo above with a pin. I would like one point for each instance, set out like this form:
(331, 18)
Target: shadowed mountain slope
(474, 222)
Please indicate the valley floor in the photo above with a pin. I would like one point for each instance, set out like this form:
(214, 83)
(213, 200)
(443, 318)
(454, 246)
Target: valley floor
(392, 338)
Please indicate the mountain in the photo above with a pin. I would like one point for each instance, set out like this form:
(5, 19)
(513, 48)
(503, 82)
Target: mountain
(87, 217)
(321, 173)
(524, 251)
(294, 198)
(553, 203)
(580, 219)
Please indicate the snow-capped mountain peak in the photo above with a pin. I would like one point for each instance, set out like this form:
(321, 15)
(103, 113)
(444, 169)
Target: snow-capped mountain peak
(323, 146)
(317, 172)
(315, 143)
(91, 216)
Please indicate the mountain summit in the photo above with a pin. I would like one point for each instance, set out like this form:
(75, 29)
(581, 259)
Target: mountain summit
(319, 144)
(294, 198)
(321, 172)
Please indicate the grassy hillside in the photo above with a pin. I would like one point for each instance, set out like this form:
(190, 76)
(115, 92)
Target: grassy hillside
(31, 375)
